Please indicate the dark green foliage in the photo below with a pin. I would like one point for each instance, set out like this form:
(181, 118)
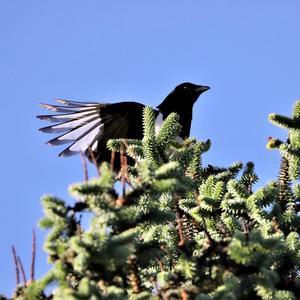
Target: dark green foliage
(182, 230)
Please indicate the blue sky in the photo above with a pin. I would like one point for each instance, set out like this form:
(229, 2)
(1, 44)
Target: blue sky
(246, 51)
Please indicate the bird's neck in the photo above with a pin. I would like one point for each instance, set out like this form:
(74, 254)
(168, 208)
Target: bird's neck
(184, 110)
(173, 103)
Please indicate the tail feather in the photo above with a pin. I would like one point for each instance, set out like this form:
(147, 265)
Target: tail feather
(80, 104)
(69, 125)
(80, 131)
(85, 141)
(58, 108)
(67, 117)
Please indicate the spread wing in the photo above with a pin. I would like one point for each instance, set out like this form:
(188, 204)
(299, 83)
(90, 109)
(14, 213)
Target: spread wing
(90, 125)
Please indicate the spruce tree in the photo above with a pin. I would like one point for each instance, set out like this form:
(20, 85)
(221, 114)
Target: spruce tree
(177, 229)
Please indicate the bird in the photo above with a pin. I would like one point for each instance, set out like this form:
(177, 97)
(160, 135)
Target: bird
(87, 126)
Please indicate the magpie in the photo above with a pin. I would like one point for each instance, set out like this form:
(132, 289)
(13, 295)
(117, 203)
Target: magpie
(87, 126)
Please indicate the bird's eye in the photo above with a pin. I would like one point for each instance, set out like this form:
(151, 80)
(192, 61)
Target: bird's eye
(184, 87)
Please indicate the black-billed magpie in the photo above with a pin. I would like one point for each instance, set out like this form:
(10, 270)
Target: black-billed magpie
(89, 125)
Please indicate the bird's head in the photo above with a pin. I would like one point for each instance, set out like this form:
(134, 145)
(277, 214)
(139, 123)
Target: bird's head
(182, 98)
(189, 91)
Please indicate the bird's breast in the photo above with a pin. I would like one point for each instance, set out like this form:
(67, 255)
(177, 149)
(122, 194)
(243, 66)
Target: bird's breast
(158, 122)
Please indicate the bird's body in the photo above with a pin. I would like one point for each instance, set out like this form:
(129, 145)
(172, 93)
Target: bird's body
(89, 125)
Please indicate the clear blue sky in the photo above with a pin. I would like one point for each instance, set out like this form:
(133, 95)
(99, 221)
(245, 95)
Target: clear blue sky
(248, 52)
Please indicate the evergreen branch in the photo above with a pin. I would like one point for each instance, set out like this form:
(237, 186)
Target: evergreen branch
(170, 129)
(212, 170)
(133, 148)
(284, 193)
(77, 207)
(115, 144)
(149, 123)
(284, 122)
(292, 154)
(273, 143)
(33, 256)
(94, 160)
(16, 262)
(195, 165)
(133, 275)
(249, 177)
(124, 176)
(22, 270)
(180, 231)
(84, 166)
(231, 172)
(112, 159)
(152, 151)
(296, 111)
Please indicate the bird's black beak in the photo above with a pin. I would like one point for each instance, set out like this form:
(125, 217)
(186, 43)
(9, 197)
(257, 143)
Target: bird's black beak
(201, 88)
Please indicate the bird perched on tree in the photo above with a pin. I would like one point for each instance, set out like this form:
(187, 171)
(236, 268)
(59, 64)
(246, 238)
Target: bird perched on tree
(89, 125)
